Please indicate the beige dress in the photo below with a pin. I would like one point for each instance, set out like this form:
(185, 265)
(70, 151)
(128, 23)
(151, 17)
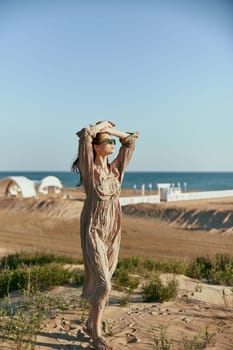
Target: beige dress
(101, 215)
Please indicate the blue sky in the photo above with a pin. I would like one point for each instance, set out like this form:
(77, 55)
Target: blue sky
(163, 68)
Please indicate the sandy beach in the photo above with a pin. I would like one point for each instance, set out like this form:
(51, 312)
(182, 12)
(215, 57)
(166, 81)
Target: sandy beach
(172, 231)
(181, 230)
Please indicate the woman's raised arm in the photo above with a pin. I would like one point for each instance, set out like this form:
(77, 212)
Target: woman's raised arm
(126, 150)
(117, 133)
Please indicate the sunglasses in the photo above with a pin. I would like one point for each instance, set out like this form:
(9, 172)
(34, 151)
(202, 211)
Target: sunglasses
(107, 142)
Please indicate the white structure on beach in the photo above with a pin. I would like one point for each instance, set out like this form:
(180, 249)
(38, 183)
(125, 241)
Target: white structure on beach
(50, 183)
(170, 193)
(21, 186)
(187, 196)
(17, 186)
(139, 199)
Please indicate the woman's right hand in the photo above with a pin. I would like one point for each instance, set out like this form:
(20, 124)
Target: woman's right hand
(112, 124)
(105, 125)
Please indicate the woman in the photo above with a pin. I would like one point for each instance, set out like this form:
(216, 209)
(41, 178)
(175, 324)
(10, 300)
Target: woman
(101, 215)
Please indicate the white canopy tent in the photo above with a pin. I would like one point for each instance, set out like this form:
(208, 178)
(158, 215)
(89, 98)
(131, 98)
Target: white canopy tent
(15, 186)
(50, 182)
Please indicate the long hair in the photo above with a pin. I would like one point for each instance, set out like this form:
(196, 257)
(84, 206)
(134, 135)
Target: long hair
(75, 169)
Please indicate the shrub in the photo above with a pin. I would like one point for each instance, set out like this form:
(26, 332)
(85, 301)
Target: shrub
(200, 268)
(39, 277)
(156, 291)
(123, 281)
(13, 261)
(146, 265)
(223, 277)
(216, 270)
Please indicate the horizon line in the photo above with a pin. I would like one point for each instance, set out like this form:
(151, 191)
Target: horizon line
(129, 171)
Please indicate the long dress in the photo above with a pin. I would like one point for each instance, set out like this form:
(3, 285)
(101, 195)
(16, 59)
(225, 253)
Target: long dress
(100, 225)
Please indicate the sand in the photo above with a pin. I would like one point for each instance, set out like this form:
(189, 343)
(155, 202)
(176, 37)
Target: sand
(181, 231)
(136, 326)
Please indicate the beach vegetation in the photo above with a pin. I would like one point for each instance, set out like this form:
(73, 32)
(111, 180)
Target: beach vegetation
(141, 265)
(218, 269)
(162, 341)
(158, 291)
(41, 277)
(108, 329)
(133, 271)
(200, 341)
(48, 270)
(16, 260)
(22, 319)
(124, 281)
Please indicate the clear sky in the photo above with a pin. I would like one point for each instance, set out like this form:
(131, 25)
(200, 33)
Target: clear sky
(163, 68)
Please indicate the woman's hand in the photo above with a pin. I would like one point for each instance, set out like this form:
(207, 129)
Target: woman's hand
(112, 124)
(106, 126)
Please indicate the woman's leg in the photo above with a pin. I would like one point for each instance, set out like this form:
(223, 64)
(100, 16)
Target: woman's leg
(95, 321)
(94, 326)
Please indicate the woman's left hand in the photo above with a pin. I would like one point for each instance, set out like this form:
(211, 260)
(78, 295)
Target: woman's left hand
(108, 128)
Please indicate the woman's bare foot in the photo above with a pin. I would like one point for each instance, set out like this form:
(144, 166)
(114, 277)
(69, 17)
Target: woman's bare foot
(100, 344)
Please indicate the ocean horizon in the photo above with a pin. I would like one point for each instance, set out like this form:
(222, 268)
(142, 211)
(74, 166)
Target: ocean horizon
(189, 180)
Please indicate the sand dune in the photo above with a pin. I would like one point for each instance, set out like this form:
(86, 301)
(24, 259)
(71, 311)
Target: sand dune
(51, 207)
(173, 231)
(196, 217)
(202, 215)
(164, 230)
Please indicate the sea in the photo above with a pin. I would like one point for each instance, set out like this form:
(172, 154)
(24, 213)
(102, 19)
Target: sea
(190, 181)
